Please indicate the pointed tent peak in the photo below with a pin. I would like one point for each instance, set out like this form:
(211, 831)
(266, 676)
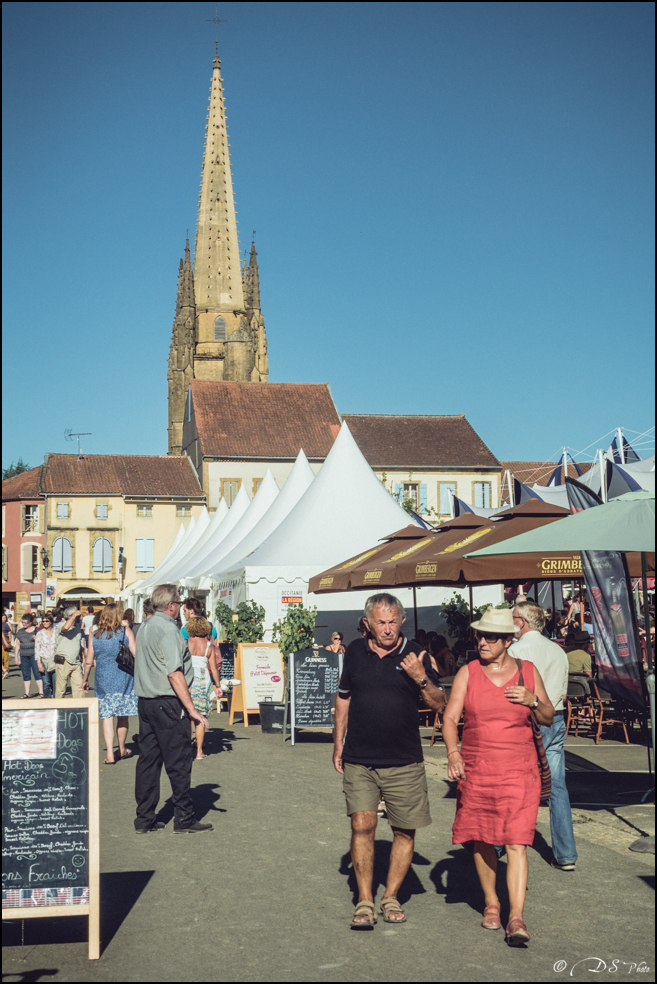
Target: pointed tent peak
(341, 512)
(222, 510)
(267, 486)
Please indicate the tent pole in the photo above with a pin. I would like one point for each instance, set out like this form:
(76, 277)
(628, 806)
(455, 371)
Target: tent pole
(415, 609)
(650, 679)
(603, 475)
(554, 609)
(581, 606)
(471, 608)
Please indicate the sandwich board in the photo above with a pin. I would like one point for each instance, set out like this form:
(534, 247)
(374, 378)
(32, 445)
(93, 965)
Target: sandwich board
(259, 668)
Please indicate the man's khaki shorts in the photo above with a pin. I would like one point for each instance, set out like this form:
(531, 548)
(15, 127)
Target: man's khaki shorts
(403, 787)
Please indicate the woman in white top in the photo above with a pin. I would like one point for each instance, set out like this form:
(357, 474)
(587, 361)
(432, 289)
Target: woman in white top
(199, 643)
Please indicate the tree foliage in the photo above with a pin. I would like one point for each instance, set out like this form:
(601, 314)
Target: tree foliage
(244, 624)
(15, 469)
(295, 631)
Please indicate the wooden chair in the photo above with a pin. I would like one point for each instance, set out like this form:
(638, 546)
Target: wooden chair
(580, 709)
(607, 705)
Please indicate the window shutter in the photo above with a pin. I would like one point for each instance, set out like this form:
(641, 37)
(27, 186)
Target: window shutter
(23, 515)
(102, 554)
(139, 563)
(148, 553)
(26, 562)
(5, 573)
(67, 554)
(423, 498)
(58, 554)
(41, 526)
(399, 491)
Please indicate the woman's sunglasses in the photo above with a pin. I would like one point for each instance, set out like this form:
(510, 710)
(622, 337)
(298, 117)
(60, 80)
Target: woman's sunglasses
(490, 636)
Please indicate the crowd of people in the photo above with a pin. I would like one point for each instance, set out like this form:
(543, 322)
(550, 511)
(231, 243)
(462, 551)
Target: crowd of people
(507, 696)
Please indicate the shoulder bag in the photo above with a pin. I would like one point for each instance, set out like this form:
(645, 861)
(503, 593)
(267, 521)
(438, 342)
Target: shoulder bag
(543, 767)
(125, 659)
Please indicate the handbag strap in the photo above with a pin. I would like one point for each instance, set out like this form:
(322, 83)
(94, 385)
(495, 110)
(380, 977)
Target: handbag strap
(521, 683)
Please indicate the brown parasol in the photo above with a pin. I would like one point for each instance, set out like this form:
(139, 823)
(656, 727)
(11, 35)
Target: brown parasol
(437, 557)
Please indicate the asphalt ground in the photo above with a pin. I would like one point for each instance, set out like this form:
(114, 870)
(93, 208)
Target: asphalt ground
(268, 894)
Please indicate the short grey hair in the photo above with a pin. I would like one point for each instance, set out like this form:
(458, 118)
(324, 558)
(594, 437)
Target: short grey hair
(533, 614)
(68, 611)
(383, 600)
(163, 595)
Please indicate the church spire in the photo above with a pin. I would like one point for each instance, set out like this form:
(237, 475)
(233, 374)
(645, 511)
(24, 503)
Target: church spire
(217, 278)
(252, 280)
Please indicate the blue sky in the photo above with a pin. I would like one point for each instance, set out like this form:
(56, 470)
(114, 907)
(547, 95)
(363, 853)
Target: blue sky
(453, 205)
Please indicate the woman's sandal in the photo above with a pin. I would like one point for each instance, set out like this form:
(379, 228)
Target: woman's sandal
(516, 932)
(390, 904)
(364, 908)
(491, 921)
(126, 754)
(109, 762)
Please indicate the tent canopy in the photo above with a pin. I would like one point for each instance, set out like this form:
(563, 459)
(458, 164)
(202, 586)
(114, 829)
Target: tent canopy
(345, 509)
(626, 523)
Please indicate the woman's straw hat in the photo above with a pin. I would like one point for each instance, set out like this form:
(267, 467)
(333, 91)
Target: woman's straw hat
(496, 620)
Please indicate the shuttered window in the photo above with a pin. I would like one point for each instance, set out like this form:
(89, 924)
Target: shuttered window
(101, 510)
(29, 562)
(445, 499)
(62, 510)
(482, 494)
(30, 523)
(102, 554)
(229, 491)
(144, 553)
(62, 554)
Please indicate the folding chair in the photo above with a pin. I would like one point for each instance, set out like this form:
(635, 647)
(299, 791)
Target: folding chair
(578, 703)
(607, 704)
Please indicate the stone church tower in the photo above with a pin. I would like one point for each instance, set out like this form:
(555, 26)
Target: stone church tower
(218, 331)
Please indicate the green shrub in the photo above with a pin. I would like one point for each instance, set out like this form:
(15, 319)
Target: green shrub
(295, 631)
(244, 624)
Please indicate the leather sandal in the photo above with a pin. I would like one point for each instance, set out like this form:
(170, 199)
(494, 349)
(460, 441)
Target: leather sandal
(516, 932)
(364, 908)
(491, 918)
(390, 904)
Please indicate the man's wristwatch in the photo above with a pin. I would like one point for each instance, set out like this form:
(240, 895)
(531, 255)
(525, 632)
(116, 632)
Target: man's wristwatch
(423, 683)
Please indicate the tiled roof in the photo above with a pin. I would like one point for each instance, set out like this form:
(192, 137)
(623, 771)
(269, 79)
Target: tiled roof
(120, 474)
(539, 472)
(264, 420)
(23, 486)
(419, 442)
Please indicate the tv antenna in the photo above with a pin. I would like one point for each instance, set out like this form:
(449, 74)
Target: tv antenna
(69, 435)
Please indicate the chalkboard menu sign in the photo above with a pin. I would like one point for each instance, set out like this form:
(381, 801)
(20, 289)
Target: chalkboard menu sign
(314, 675)
(50, 810)
(227, 671)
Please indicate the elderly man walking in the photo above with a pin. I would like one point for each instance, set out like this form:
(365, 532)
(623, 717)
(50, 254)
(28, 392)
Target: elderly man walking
(552, 663)
(384, 681)
(163, 674)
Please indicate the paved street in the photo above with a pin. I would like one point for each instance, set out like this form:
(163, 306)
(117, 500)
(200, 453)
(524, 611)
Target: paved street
(267, 896)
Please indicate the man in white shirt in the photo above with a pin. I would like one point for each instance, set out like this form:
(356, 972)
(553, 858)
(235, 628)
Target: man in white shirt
(88, 620)
(552, 663)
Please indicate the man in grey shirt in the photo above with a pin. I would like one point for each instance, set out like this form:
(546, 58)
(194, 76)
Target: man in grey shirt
(163, 673)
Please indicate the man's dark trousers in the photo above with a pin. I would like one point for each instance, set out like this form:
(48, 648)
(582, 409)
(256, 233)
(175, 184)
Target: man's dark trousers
(164, 739)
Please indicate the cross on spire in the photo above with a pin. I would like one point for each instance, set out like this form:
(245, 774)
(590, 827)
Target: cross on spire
(216, 20)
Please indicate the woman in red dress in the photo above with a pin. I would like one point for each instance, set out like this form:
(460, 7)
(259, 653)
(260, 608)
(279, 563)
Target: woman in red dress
(499, 786)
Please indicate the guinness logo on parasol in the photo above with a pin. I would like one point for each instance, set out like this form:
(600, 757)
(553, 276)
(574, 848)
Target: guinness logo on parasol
(326, 582)
(373, 575)
(425, 570)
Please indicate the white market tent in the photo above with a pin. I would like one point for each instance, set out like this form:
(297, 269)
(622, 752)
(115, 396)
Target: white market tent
(161, 574)
(344, 511)
(221, 522)
(210, 552)
(298, 481)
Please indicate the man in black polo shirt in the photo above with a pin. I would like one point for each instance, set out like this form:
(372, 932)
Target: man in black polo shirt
(384, 681)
